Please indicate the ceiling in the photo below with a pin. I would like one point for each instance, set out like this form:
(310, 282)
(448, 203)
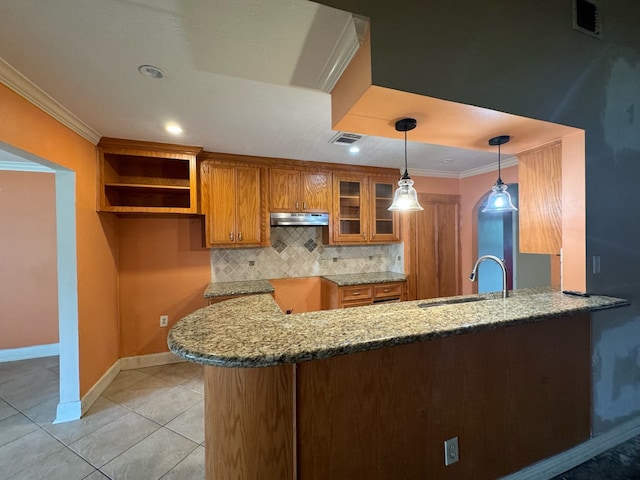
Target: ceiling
(241, 76)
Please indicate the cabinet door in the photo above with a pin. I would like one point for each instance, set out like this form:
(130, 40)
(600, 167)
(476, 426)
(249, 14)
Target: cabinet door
(540, 196)
(221, 208)
(383, 222)
(284, 190)
(248, 217)
(316, 192)
(350, 210)
(447, 217)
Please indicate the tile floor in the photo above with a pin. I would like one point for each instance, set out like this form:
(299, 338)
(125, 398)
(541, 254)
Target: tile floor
(148, 424)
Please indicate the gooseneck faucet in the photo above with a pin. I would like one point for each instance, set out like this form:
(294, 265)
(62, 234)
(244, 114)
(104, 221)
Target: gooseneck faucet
(474, 272)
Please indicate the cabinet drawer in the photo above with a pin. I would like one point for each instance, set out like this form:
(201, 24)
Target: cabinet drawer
(389, 290)
(356, 293)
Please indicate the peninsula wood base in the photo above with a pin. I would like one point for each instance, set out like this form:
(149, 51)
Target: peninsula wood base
(513, 396)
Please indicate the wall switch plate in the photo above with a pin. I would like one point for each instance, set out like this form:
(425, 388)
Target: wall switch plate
(164, 320)
(451, 451)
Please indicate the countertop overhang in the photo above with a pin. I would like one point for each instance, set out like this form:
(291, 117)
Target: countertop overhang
(253, 332)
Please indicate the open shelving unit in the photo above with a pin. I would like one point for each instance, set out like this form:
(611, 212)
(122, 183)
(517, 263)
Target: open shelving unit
(145, 177)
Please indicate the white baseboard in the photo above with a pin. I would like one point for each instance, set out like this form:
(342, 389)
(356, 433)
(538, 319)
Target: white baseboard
(553, 466)
(24, 353)
(143, 361)
(67, 412)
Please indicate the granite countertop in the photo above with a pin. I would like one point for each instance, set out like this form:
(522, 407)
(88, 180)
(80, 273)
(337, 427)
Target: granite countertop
(365, 278)
(225, 289)
(252, 331)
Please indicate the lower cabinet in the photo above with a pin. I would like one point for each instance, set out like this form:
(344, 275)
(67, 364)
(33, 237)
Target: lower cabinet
(335, 296)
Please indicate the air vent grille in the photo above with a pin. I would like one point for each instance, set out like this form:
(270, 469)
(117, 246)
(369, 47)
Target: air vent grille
(343, 138)
(586, 17)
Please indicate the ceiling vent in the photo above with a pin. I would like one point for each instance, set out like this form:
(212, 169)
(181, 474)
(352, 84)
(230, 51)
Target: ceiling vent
(586, 17)
(343, 138)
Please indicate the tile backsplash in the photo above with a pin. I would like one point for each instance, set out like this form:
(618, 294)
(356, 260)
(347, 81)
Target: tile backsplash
(299, 252)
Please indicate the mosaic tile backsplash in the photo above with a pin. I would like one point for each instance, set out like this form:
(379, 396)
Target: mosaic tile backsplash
(299, 252)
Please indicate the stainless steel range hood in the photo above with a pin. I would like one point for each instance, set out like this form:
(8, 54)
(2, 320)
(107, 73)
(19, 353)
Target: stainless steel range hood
(299, 219)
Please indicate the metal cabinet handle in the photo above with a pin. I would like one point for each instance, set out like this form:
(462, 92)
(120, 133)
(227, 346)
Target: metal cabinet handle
(386, 290)
(364, 235)
(239, 236)
(356, 293)
(304, 205)
(231, 236)
(297, 205)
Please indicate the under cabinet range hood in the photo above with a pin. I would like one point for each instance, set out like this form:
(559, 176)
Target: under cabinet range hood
(299, 219)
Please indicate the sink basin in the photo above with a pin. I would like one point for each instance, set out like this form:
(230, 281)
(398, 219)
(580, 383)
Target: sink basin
(452, 301)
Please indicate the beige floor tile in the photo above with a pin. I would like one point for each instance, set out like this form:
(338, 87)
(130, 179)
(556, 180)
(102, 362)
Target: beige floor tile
(174, 373)
(191, 468)
(61, 465)
(44, 413)
(31, 389)
(6, 410)
(142, 391)
(103, 412)
(123, 381)
(25, 451)
(98, 475)
(109, 441)
(196, 383)
(190, 424)
(166, 404)
(14, 427)
(12, 370)
(151, 458)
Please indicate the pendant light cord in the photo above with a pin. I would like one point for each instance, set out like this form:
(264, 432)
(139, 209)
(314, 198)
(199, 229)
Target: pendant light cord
(406, 168)
(500, 182)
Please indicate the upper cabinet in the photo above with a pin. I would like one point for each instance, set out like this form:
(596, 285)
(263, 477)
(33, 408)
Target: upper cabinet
(540, 198)
(292, 190)
(360, 210)
(233, 205)
(145, 177)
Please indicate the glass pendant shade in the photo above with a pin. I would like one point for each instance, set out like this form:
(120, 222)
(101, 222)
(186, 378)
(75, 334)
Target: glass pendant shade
(499, 200)
(406, 197)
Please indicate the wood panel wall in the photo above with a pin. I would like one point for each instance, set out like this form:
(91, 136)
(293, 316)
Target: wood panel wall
(513, 396)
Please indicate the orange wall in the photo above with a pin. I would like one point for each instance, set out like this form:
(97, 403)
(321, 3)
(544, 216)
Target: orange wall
(28, 277)
(28, 128)
(298, 294)
(440, 186)
(163, 270)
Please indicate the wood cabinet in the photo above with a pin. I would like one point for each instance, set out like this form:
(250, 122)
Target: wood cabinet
(232, 204)
(433, 247)
(145, 177)
(335, 296)
(292, 190)
(360, 210)
(540, 198)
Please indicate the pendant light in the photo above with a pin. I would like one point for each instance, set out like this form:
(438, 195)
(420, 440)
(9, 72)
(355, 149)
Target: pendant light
(406, 198)
(500, 200)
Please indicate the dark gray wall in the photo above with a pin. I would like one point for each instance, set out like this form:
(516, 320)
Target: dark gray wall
(524, 57)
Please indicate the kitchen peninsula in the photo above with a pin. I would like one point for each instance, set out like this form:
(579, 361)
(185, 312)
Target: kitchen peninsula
(372, 392)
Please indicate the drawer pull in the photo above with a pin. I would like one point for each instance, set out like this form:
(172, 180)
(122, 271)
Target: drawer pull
(386, 290)
(356, 293)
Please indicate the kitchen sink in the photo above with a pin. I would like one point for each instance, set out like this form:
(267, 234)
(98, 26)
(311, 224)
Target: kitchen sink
(452, 301)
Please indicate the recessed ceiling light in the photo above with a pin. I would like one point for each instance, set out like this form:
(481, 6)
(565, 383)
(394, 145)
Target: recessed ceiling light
(354, 149)
(151, 71)
(173, 128)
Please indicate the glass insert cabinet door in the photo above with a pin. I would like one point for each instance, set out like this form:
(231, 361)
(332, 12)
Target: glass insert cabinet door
(352, 224)
(384, 224)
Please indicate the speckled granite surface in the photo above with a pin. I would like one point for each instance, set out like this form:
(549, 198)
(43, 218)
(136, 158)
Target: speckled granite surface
(252, 331)
(224, 289)
(365, 278)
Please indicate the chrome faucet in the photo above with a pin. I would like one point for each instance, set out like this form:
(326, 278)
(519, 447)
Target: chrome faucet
(474, 272)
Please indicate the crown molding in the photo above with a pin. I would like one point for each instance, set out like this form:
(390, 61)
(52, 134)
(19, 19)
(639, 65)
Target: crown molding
(344, 50)
(510, 162)
(24, 87)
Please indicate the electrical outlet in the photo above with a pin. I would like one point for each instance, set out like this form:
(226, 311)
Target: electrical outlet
(164, 320)
(451, 451)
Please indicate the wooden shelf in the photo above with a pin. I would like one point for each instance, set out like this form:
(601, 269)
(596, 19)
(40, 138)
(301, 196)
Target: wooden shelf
(145, 177)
